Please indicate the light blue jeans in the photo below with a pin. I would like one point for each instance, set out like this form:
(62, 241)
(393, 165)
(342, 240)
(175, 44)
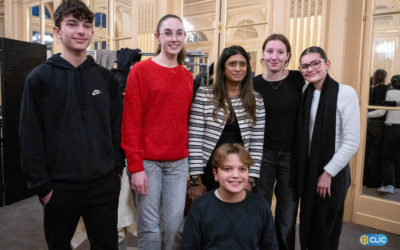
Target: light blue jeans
(160, 211)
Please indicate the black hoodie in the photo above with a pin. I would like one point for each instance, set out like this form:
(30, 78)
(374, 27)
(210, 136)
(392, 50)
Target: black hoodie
(70, 126)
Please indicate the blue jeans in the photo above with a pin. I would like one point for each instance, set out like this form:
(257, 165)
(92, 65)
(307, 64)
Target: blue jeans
(275, 172)
(160, 211)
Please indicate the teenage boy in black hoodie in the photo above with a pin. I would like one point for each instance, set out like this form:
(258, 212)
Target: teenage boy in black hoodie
(70, 136)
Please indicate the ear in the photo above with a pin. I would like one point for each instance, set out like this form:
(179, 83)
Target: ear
(328, 64)
(57, 31)
(156, 35)
(215, 171)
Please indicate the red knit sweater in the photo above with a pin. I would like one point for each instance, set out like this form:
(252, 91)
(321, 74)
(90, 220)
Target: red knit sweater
(155, 114)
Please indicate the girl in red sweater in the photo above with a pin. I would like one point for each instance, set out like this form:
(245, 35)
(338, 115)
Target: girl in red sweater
(155, 134)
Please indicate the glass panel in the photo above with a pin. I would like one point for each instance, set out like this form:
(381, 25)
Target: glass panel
(386, 36)
(382, 162)
(36, 11)
(100, 8)
(246, 23)
(198, 15)
(385, 6)
(122, 22)
(36, 36)
(34, 24)
(49, 23)
(200, 20)
(251, 39)
(47, 13)
(252, 11)
(103, 20)
(97, 19)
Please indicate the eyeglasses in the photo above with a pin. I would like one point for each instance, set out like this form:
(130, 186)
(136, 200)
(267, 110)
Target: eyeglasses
(314, 64)
(180, 35)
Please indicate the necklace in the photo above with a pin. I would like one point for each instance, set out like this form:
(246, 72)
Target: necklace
(275, 86)
(172, 71)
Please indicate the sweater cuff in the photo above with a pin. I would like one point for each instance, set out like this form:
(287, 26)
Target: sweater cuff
(332, 168)
(135, 164)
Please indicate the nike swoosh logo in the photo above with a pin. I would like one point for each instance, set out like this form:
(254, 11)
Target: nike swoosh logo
(96, 92)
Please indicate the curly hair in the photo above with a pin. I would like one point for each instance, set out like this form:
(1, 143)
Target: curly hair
(231, 148)
(75, 7)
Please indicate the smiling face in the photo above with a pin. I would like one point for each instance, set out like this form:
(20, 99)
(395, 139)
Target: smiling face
(316, 74)
(171, 36)
(275, 55)
(74, 34)
(232, 176)
(235, 69)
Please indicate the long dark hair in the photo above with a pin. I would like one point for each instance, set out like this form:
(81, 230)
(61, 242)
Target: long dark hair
(221, 96)
(181, 54)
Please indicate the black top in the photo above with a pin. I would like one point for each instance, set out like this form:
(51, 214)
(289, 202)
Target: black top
(377, 94)
(230, 134)
(215, 224)
(70, 127)
(281, 101)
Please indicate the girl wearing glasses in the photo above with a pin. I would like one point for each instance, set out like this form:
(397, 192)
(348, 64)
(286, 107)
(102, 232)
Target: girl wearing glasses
(155, 134)
(281, 90)
(327, 136)
(227, 112)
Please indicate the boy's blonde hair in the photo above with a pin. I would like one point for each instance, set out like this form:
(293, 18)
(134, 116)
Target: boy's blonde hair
(231, 148)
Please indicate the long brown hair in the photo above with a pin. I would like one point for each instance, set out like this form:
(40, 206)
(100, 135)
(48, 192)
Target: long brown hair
(221, 96)
(182, 53)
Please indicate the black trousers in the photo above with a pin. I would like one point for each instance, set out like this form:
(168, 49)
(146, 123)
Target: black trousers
(327, 218)
(275, 174)
(372, 163)
(391, 142)
(98, 207)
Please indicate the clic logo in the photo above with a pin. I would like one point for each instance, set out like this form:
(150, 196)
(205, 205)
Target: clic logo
(373, 239)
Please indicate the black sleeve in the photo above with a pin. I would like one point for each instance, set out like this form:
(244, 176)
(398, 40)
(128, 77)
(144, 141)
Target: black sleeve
(33, 161)
(191, 239)
(268, 239)
(115, 118)
(389, 103)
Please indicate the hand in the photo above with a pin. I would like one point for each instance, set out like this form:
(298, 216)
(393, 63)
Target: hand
(47, 198)
(398, 103)
(324, 184)
(139, 183)
(196, 191)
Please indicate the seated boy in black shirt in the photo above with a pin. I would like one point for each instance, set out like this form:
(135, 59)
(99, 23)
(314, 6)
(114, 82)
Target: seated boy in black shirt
(230, 217)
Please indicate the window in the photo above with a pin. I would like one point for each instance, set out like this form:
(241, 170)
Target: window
(36, 11)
